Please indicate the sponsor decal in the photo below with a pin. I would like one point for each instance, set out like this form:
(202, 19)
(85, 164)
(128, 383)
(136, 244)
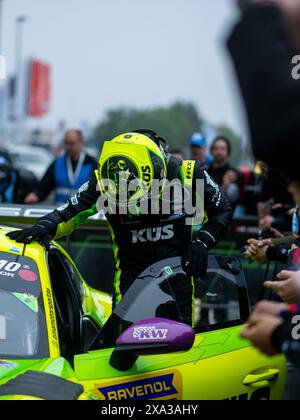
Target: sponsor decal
(164, 233)
(34, 213)
(122, 165)
(5, 274)
(146, 174)
(23, 212)
(63, 207)
(169, 271)
(217, 196)
(29, 300)
(15, 249)
(163, 387)
(28, 275)
(9, 269)
(53, 329)
(9, 266)
(210, 181)
(84, 188)
(189, 170)
(5, 364)
(150, 333)
(74, 200)
(111, 168)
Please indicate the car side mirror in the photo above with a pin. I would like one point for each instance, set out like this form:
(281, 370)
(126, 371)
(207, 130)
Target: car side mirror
(151, 337)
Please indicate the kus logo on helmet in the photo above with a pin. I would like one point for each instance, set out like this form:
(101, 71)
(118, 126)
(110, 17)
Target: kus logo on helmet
(128, 166)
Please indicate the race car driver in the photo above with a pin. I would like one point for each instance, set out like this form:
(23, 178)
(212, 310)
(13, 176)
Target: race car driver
(140, 240)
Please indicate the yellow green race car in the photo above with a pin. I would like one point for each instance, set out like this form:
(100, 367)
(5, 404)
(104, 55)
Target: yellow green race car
(59, 339)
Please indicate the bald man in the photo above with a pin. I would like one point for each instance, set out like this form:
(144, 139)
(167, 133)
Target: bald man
(67, 173)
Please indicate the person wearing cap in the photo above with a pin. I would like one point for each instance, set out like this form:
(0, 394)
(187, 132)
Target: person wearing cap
(198, 144)
(14, 184)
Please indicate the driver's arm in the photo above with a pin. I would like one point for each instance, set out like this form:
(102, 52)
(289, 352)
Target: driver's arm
(217, 207)
(63, 220)
(219, 214)
(78, 209)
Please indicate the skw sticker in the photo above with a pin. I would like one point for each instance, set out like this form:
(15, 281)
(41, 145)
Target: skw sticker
(150, 333)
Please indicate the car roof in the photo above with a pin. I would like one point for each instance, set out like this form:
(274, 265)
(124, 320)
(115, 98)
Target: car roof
(28, 149)
(5, 154)
(34, 251)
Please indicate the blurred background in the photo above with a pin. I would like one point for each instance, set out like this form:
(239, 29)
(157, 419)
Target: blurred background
(79, 72)
(110, 66)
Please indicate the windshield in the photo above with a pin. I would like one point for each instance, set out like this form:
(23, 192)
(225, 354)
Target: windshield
(23, 332)
(164, 291)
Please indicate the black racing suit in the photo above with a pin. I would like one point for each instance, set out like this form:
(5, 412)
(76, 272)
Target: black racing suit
(140, 241)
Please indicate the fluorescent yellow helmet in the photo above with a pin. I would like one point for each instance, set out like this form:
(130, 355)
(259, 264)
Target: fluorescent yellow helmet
(131, 157)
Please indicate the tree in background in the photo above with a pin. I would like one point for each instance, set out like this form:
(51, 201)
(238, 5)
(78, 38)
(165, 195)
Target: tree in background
(175, 123)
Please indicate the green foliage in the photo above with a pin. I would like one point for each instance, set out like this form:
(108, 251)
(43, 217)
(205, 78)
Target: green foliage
(175, 123)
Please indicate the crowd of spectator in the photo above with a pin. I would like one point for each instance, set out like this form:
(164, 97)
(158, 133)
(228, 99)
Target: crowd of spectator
(262, 45)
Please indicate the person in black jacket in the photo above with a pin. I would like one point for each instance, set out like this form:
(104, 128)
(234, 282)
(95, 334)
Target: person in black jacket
(228, 178)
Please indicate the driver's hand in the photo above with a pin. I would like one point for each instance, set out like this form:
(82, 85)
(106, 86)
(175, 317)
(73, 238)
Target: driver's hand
(195, 259)
(41, 232)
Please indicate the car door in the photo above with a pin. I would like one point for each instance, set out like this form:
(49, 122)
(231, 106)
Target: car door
(228, 367)
(220, 365)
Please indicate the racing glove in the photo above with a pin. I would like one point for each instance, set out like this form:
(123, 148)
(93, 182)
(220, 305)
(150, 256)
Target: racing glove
(195, 259)
(42, 232)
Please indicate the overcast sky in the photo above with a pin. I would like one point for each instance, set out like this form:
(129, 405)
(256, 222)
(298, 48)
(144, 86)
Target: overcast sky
(141, 53)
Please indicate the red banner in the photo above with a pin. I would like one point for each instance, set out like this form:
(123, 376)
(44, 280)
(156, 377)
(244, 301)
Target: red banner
(39, 89)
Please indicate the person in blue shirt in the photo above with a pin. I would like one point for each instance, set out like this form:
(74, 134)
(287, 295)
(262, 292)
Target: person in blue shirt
(67, 173)
(14, 184)
(198, 144)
